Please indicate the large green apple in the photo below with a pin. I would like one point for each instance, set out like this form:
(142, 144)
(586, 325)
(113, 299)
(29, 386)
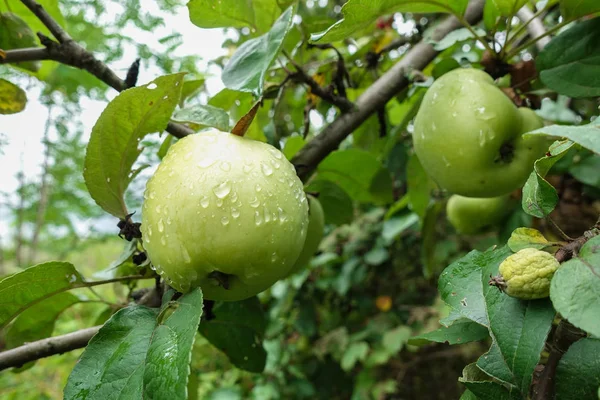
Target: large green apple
(468, 136)
(225, 213)
(314, 235)
(470, 215)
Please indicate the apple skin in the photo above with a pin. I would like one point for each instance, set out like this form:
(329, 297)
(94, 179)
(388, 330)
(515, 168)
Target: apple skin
(471, 215)
(314, 235)
(468, 136)
(220, 202)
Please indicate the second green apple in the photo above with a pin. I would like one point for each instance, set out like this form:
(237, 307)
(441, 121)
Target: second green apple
(468, 136)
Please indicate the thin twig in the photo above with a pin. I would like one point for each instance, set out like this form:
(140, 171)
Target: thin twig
(49, 22)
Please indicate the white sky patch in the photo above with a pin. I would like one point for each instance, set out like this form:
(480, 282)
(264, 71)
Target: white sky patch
(23, 132)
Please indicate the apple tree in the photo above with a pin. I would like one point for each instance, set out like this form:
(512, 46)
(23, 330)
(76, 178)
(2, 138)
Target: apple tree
(384, 195)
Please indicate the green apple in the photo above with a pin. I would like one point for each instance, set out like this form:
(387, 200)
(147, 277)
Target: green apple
(314, 234)
(470, 215)
(468, 136)
(225, 213)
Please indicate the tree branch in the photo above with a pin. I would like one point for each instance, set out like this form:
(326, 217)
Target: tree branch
(535, 27)
(46, 347)
(377, 95)
(69, 52)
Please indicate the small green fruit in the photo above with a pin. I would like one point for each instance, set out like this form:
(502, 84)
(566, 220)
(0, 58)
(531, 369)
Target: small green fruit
(468, 136)
(471, 215)
(314, 234)
(225, 213)
(527, 274)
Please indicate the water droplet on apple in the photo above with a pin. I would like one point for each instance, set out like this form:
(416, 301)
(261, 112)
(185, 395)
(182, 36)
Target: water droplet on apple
(204, 201)
(247, 168)
(108, 180)
(267, 214)
(258, 188)
(282, 215)
(258, 219)
(158, 209)
(169, 221)
(224, 221)
(225, 166)
(274, 257)
(152, 195)
(235, 213)
(206, 162)
(187, 156)
(446, 162)
(222, 190)
(161, 225)
(267, 170)
(186, 255)
(255, 202)
(276, 164)
(149, 230)
(219, 202)
(163, 240)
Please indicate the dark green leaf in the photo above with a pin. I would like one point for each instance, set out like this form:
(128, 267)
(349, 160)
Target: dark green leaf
(247, 69)
(461, 331)
(112, 365)
(586, 171)
(578, 371)
(167, 363)
(518, 328)
(257, 14)
(362, 14)
(418, 186)
(570, 63)
(483, 387)
(572, 9)
(16, 34)
(508, 8)
(364, 184)
(32, 285)
(12, 98)
(204, 116)
(337, 205)
(237, 329)
(540, 197)
(292, 146)
(457, 36)
(113, 145)
(396, 225)
(37, 322)
(190, 89)
(575, 288)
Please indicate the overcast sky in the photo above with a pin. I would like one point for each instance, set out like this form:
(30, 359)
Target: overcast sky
(23, 131)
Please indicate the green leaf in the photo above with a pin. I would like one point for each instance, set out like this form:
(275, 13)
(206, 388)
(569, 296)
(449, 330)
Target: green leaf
(12, 98)
(113, 146)
(394, 226)
(586, 170)
(575, 288)
(247, 69)
(257, 14)
(237, 329)
(539, 196)
(362, 14)
(578, 371)
(585, 135)
(483, 387)
(165, 146)
(457, 36)
(429, 238)
(419, 186)
(16, 34)
(112, 365)
(460, 332)
(190, 89)
(167, 364)
(293, 146)
(570, 63)
(203, 116)
(508, 8)
(572, 9)
(37, 322)
(355, 352)
(32, 285)
(370, 183)
(518, 328)
(336, 203)
(523, 238)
